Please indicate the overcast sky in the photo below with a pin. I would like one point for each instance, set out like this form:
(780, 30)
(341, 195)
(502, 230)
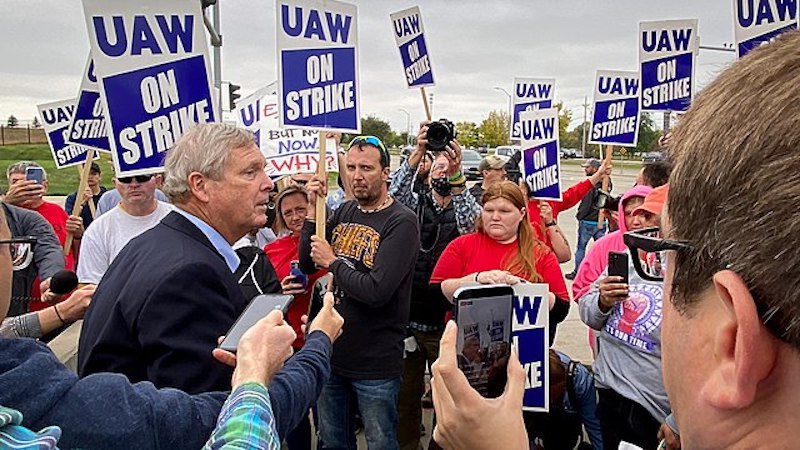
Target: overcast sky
(474, 45)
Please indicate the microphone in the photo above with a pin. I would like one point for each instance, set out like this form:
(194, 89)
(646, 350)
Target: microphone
(63, 282)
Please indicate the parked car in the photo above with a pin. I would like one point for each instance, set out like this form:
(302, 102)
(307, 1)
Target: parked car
(506, 151)
(568, 153)
(469, 164)
(652, 157)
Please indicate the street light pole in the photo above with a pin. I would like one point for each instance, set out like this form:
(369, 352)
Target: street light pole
(408, 125)
(510, 108)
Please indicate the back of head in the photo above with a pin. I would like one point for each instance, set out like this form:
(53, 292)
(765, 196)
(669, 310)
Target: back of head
(656, 173)
(204, 149)
(736, 184)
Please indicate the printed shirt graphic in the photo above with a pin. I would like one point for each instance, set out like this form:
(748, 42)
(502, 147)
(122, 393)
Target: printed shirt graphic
(357, 242)
(636, 321)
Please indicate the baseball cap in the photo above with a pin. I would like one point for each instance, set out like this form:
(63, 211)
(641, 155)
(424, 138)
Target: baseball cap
(592, 162)
(491, 162)
(654, 202)
(95, 168)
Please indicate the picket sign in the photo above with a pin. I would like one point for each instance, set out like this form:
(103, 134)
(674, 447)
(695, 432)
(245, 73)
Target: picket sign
(530, 333)
(313, 37)
(759, 22)
(541, 163)
(409, 35)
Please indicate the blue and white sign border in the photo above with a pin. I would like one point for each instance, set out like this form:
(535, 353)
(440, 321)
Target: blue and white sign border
(401, 41)
(601, 97)
(526, 333)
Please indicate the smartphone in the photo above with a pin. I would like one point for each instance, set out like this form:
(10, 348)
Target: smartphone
(618, 265)
(299, 276)
(35, 173)
(483, 316)
(260, 306)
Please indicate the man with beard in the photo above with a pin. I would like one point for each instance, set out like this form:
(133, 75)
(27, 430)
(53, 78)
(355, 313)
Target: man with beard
(373, 245)
(444, 212)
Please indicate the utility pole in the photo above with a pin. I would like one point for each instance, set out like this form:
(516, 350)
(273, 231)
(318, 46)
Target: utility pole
(583, 126)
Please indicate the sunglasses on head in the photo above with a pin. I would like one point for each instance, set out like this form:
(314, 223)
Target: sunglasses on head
(139, 178)
(375, 142)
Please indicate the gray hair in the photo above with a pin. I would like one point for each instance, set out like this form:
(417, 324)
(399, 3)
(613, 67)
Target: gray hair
(204, 149)
(21, 167)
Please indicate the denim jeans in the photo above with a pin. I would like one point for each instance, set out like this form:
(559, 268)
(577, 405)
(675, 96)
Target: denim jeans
(586, 230)
(377, 402)
(409, 407)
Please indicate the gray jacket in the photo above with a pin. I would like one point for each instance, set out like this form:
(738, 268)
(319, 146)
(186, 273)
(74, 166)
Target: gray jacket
(629, 343)
(48, 257)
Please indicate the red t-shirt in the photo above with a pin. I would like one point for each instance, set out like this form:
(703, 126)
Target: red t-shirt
(477, 252)
(569, 198)
(57, 218)
(281, 253)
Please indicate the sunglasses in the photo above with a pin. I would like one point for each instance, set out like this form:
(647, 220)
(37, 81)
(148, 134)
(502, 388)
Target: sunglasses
(375, 142)
(649, 252)
(138, 178)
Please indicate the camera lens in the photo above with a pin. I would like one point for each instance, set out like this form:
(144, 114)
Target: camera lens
(438, 136)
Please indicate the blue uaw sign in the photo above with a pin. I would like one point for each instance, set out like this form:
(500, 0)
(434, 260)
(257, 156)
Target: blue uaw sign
(531, 337)
(151, 61)
(530, 94)
(410, 37)
(667, 52)
(541, 164)
(318, 65)
(88, 125)
(758, 22)
(615, 119)
(56, 118)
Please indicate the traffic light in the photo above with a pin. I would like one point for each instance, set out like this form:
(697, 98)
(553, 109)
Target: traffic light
(233, 95)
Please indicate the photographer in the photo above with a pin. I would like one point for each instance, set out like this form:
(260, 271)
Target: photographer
(444, 211)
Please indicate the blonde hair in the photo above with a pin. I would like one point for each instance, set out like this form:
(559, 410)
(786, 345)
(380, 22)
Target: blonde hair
(292, 189)
(529, 249)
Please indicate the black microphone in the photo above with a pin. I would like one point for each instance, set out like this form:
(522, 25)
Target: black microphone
(63, 282)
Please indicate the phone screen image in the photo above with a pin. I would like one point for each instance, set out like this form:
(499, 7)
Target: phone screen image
(259, 307)
(484, 339)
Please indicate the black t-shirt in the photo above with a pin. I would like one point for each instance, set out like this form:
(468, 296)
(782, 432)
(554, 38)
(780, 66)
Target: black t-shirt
(372, 277)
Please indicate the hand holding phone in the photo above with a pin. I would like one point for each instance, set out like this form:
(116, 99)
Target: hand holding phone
(259, 307)
(483, 316)
(35, 174)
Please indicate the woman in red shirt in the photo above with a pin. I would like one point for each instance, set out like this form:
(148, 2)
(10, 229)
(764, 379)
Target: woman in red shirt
(291, 205)
(504, 250)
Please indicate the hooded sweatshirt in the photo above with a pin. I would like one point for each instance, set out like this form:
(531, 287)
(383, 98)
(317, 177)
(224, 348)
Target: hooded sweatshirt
(596, 259)
(629, 342)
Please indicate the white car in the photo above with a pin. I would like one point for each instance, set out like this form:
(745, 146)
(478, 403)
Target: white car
(506, 151)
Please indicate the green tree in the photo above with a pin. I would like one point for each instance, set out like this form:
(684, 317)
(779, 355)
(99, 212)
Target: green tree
(374, 126)
(648, 134)
(36, 123)
(495, 128)
(564, 118)
(468, 134)
(12, 121)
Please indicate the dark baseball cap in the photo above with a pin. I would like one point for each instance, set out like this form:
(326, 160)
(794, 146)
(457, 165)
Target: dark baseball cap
(592, 162)
(95, 168)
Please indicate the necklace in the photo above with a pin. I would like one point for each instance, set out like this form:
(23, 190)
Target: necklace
(380, 207)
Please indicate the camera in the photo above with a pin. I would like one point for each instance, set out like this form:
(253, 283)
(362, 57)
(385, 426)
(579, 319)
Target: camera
(607, 201)
(440, 134)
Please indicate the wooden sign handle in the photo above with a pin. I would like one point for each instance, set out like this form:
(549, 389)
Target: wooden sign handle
(322, 172)
(76, 209)
(606, 160)
(425, 102)
(92, 208)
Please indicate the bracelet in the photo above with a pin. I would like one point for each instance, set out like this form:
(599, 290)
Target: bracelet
(63, 322)
(456, 177)
(476, 277)
(551, 224)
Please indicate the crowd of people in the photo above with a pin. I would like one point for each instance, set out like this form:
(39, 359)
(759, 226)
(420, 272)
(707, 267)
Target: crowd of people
(693, 330)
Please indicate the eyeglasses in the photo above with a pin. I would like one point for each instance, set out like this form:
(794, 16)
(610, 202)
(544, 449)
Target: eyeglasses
(21, 249)
(649, 252)
(138, 178)
(375, 142)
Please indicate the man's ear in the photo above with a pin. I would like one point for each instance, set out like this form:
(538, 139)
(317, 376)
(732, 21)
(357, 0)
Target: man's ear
(386, 172)
(199, 186)
(743, 350)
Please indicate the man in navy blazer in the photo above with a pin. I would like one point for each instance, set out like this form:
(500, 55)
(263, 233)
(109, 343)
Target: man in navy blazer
(170, 293)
